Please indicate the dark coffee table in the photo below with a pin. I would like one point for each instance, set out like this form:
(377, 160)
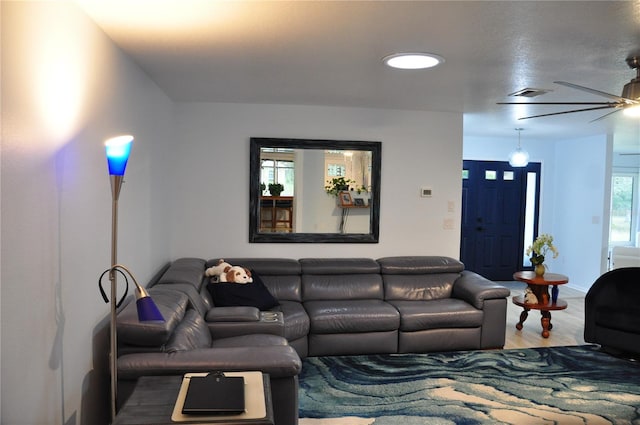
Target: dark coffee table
(153, 400)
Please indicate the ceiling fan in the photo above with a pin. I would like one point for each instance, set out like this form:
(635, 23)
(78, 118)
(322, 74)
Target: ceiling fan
(630, 99)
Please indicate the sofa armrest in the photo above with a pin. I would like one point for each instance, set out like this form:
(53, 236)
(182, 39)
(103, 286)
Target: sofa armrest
(278, 361)
(475, 289)
(233, 314)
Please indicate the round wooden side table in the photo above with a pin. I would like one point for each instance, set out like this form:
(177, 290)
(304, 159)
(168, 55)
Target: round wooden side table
(539, 285)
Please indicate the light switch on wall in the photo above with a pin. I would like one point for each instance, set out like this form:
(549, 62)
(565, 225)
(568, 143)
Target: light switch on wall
(426, 192)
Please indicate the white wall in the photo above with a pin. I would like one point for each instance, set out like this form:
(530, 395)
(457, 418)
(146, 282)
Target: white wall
(581, 190)
(209, 192)
(574, 198)
(65, 89)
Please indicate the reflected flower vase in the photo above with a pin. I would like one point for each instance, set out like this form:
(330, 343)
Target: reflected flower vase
(539, 270)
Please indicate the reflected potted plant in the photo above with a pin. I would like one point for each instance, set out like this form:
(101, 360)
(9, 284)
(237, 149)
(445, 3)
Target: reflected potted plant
(362, 189)
(263, 187)
(275, 189)
(337, 185)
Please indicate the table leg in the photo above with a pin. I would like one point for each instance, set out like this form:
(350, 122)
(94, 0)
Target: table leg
(523, 317)
(546, 323)
(343, 219)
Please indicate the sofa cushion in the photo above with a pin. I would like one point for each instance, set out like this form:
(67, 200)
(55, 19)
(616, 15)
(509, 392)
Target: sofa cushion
(435, 314)
(280, 275)
(253, 294)
(190, 334)
(343, 316)
(296, 319)
(265, 266)
(195, 299)
(327, 266)
(184, 270)
(252, 340)
(419, 265)
(284, 287)
(342, 287)
(418, 287)
(237, 313)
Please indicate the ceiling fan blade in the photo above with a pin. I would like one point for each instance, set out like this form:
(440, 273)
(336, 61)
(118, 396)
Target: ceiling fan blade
(568, 112)
(611, 104)
(606, 115)
(594, 91)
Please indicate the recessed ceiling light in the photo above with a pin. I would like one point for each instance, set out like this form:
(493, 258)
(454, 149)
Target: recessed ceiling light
(413, 60)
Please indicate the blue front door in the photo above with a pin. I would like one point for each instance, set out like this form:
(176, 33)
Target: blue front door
(494, 203)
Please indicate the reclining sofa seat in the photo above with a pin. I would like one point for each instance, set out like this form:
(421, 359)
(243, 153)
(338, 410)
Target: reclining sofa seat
(344, 299)
(441, 306)
(282, 276)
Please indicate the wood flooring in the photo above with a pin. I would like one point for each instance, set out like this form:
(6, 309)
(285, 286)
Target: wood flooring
(568, 325)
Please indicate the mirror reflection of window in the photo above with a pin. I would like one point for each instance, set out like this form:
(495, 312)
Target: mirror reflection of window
(336, 170)
(278, 166)
(354, 165)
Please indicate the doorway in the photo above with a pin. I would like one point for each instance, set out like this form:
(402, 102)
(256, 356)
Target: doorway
(500, 207)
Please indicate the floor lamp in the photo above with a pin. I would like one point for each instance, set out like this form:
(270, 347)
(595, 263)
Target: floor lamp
(118, 150)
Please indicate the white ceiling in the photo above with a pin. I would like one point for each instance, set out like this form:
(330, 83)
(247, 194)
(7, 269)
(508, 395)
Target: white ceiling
(329, 53)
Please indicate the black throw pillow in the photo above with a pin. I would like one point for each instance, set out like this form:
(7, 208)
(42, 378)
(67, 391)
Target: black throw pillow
(253, 294)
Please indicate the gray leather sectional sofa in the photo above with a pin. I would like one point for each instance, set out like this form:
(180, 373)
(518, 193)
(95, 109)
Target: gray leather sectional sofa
(327, 306)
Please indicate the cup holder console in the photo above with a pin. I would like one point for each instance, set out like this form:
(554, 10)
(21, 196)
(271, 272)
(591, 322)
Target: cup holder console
(270, 316)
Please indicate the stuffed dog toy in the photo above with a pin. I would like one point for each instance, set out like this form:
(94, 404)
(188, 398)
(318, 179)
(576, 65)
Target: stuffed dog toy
(236, 274)
(530, 297)
(225, 272)
(218, 269)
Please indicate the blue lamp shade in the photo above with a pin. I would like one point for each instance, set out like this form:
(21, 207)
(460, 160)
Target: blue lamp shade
(118, 150)
(147, 309)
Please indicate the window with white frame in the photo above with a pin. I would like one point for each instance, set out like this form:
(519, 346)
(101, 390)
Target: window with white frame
(624, 209)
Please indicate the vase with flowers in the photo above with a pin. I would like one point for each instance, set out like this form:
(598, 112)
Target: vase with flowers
(541, 248)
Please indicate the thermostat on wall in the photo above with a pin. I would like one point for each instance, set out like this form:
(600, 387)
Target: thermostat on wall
(426, 192)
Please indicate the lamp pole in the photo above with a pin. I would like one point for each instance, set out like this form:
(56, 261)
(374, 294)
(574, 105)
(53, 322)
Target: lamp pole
(118, 149)
(116, 183)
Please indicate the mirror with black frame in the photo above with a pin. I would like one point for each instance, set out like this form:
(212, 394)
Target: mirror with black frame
(314, 191)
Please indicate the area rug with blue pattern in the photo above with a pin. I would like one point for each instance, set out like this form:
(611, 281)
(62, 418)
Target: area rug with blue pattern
(552, 385)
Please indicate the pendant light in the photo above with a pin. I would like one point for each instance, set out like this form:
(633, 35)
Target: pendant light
(519, 157)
